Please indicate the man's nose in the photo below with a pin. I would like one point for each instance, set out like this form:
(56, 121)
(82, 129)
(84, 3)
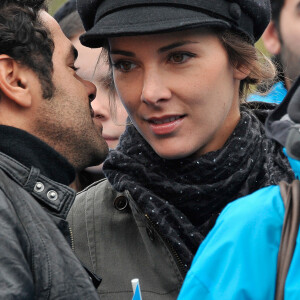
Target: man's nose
(91, 89)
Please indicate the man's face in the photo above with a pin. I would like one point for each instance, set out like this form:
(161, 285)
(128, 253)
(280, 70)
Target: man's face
(289, 27)
(65, 121)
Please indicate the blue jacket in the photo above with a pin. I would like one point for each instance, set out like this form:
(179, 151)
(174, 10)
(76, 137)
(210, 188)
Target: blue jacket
(276, 94)
(238, 258)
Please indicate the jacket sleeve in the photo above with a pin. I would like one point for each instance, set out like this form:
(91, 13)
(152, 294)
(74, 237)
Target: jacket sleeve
(16, 280)
(238, 258)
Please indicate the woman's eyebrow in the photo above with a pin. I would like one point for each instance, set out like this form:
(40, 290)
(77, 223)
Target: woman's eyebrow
(122, 52)
(160, 50)
(175, 45)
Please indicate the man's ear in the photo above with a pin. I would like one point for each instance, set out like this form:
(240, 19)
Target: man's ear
(14, 83)
(271, 39)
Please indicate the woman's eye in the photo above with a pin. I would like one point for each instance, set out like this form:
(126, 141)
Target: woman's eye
(180, 57)
(124, 66)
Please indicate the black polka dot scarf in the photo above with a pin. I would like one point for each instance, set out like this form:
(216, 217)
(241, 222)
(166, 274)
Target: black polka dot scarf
(183, 198)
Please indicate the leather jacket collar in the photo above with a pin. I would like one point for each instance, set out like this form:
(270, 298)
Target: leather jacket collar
(32, 151)
(52, 195)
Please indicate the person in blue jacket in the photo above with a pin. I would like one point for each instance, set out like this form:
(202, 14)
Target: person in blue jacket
(275, 95)
(238, 259)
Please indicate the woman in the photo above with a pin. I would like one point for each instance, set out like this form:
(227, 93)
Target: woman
(181, 69)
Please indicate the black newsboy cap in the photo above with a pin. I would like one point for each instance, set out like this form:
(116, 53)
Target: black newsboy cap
(111, 18)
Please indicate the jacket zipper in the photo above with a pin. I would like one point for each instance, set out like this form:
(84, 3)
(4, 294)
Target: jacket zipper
(178, 261)
(72, 239)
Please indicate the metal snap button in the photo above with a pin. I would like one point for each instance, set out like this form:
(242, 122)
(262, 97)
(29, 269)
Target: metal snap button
(235, 11)
(39, 187)
(52, 195)
(150, 233)
(120, 203)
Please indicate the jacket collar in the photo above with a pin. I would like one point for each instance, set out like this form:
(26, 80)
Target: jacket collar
(32, 151)
(52, 195)
(279, 121)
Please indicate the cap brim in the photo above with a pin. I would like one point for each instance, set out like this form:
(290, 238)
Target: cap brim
(147, 20)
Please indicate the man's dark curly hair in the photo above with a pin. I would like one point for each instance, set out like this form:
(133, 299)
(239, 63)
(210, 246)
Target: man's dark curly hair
(25, 39)
(276, 9)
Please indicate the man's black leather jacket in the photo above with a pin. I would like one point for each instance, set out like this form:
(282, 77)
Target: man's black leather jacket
(36, 261)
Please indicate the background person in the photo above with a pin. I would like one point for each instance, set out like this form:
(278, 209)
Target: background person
(181, 73)
(93, 66)
(46, 131)
(282, 40)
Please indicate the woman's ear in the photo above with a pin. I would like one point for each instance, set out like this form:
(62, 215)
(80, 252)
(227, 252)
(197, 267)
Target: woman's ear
(271, 39)
(14, 81)
(241, 72)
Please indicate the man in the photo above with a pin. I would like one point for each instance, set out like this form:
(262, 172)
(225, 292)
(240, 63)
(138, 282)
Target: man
(46, 127)
(92, 65)
(282, 40)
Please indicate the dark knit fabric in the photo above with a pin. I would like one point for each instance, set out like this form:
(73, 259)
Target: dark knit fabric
(31, 151)
(183, 198)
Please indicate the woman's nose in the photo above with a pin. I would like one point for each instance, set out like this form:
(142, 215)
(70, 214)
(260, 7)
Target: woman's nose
(101, 106)
(155, 89)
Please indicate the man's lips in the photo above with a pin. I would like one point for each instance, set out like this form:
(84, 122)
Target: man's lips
(92, 111)
(98, 125)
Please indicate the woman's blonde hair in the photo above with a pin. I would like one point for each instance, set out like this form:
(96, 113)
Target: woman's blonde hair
(244, 54)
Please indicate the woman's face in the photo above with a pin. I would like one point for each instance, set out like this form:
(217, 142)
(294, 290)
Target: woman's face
(87, 60)
(113, 126)
(179, 89)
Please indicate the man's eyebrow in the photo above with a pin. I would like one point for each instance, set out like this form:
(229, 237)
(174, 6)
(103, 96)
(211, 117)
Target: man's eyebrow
(175, 45)
(122, 52)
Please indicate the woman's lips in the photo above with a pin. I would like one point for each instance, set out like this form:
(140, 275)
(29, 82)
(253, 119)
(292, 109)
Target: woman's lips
(109, 138)
(166, 124)
(111, 141)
